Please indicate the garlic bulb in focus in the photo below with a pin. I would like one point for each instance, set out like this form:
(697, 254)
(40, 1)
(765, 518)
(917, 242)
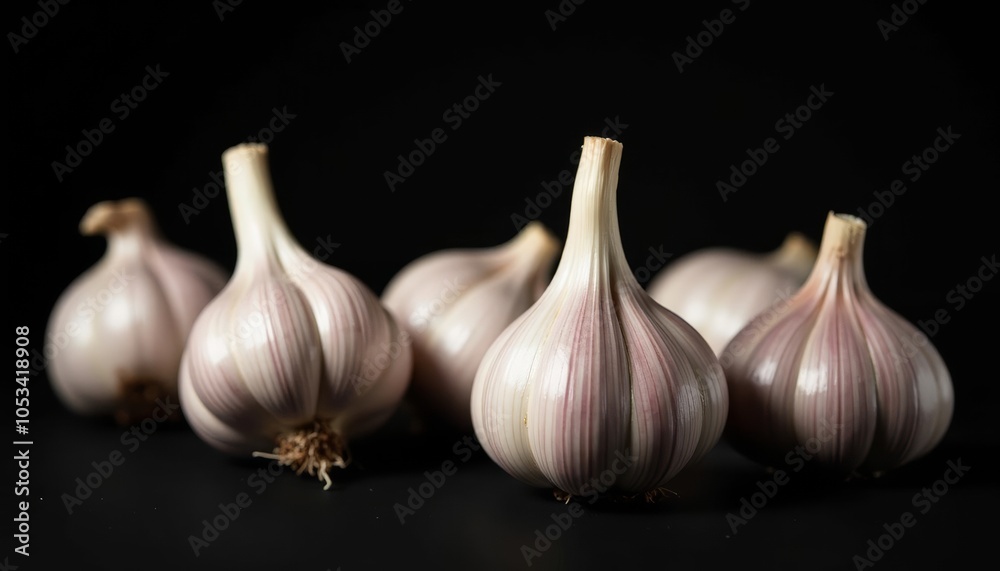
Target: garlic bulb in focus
(835, 369)
(719, 290)
(293, 355)
(455, 303)
(118, 331)
(597, 380)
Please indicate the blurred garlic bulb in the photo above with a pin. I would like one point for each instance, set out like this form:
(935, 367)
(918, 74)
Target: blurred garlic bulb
(293, 355)
(455, 303)
(118, 331)
(596, 381)
(719, 290)
(834, 370)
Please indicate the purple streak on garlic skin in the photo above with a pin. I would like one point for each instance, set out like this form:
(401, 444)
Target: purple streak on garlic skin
(284, 345)
(355, 330)
(596, 368)
(148, 294)
(675, 380)
(837, 357)
(916, 401)
(455, 303)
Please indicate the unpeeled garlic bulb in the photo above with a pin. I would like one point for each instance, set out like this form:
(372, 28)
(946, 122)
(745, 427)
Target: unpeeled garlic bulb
(293, 355)
(836, 371)
(117, 332)
(719, 290)
(596, 382)
(455, 303)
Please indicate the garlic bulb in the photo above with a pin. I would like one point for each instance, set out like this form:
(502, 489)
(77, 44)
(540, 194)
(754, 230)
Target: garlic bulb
(596, 381)
(117, 333)
(834, 370)
(293, 355)
(455, 303)
(719, 290)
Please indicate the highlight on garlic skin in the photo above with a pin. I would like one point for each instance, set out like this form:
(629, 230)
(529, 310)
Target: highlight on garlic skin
(294, 357)
(835, 368)
(596, 371)
(118, 331)
(719, 290)
(455, 303)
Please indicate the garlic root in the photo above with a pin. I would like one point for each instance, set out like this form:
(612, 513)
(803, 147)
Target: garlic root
(138, 397)
(312, 449)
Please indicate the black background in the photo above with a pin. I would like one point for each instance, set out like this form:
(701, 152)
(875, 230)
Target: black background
(607, 60)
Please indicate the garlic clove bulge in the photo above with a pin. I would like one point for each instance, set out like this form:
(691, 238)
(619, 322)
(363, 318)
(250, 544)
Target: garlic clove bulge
(294, 357)
(596, 378)
(454, 304)
(719, 290)
(118, 331)
(834, 368)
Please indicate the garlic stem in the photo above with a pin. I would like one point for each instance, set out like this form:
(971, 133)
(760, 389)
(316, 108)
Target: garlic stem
(126, 224)
(110, 217)
(840, 253)
(257, 220)
(593, 237)
(796, 254)
(530, 252)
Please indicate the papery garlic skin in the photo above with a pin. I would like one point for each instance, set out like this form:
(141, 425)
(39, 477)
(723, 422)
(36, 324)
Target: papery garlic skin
(293, 355)
(118, 331)
(455, 303)
(596, 371)
(835, 368)
(719, 290)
